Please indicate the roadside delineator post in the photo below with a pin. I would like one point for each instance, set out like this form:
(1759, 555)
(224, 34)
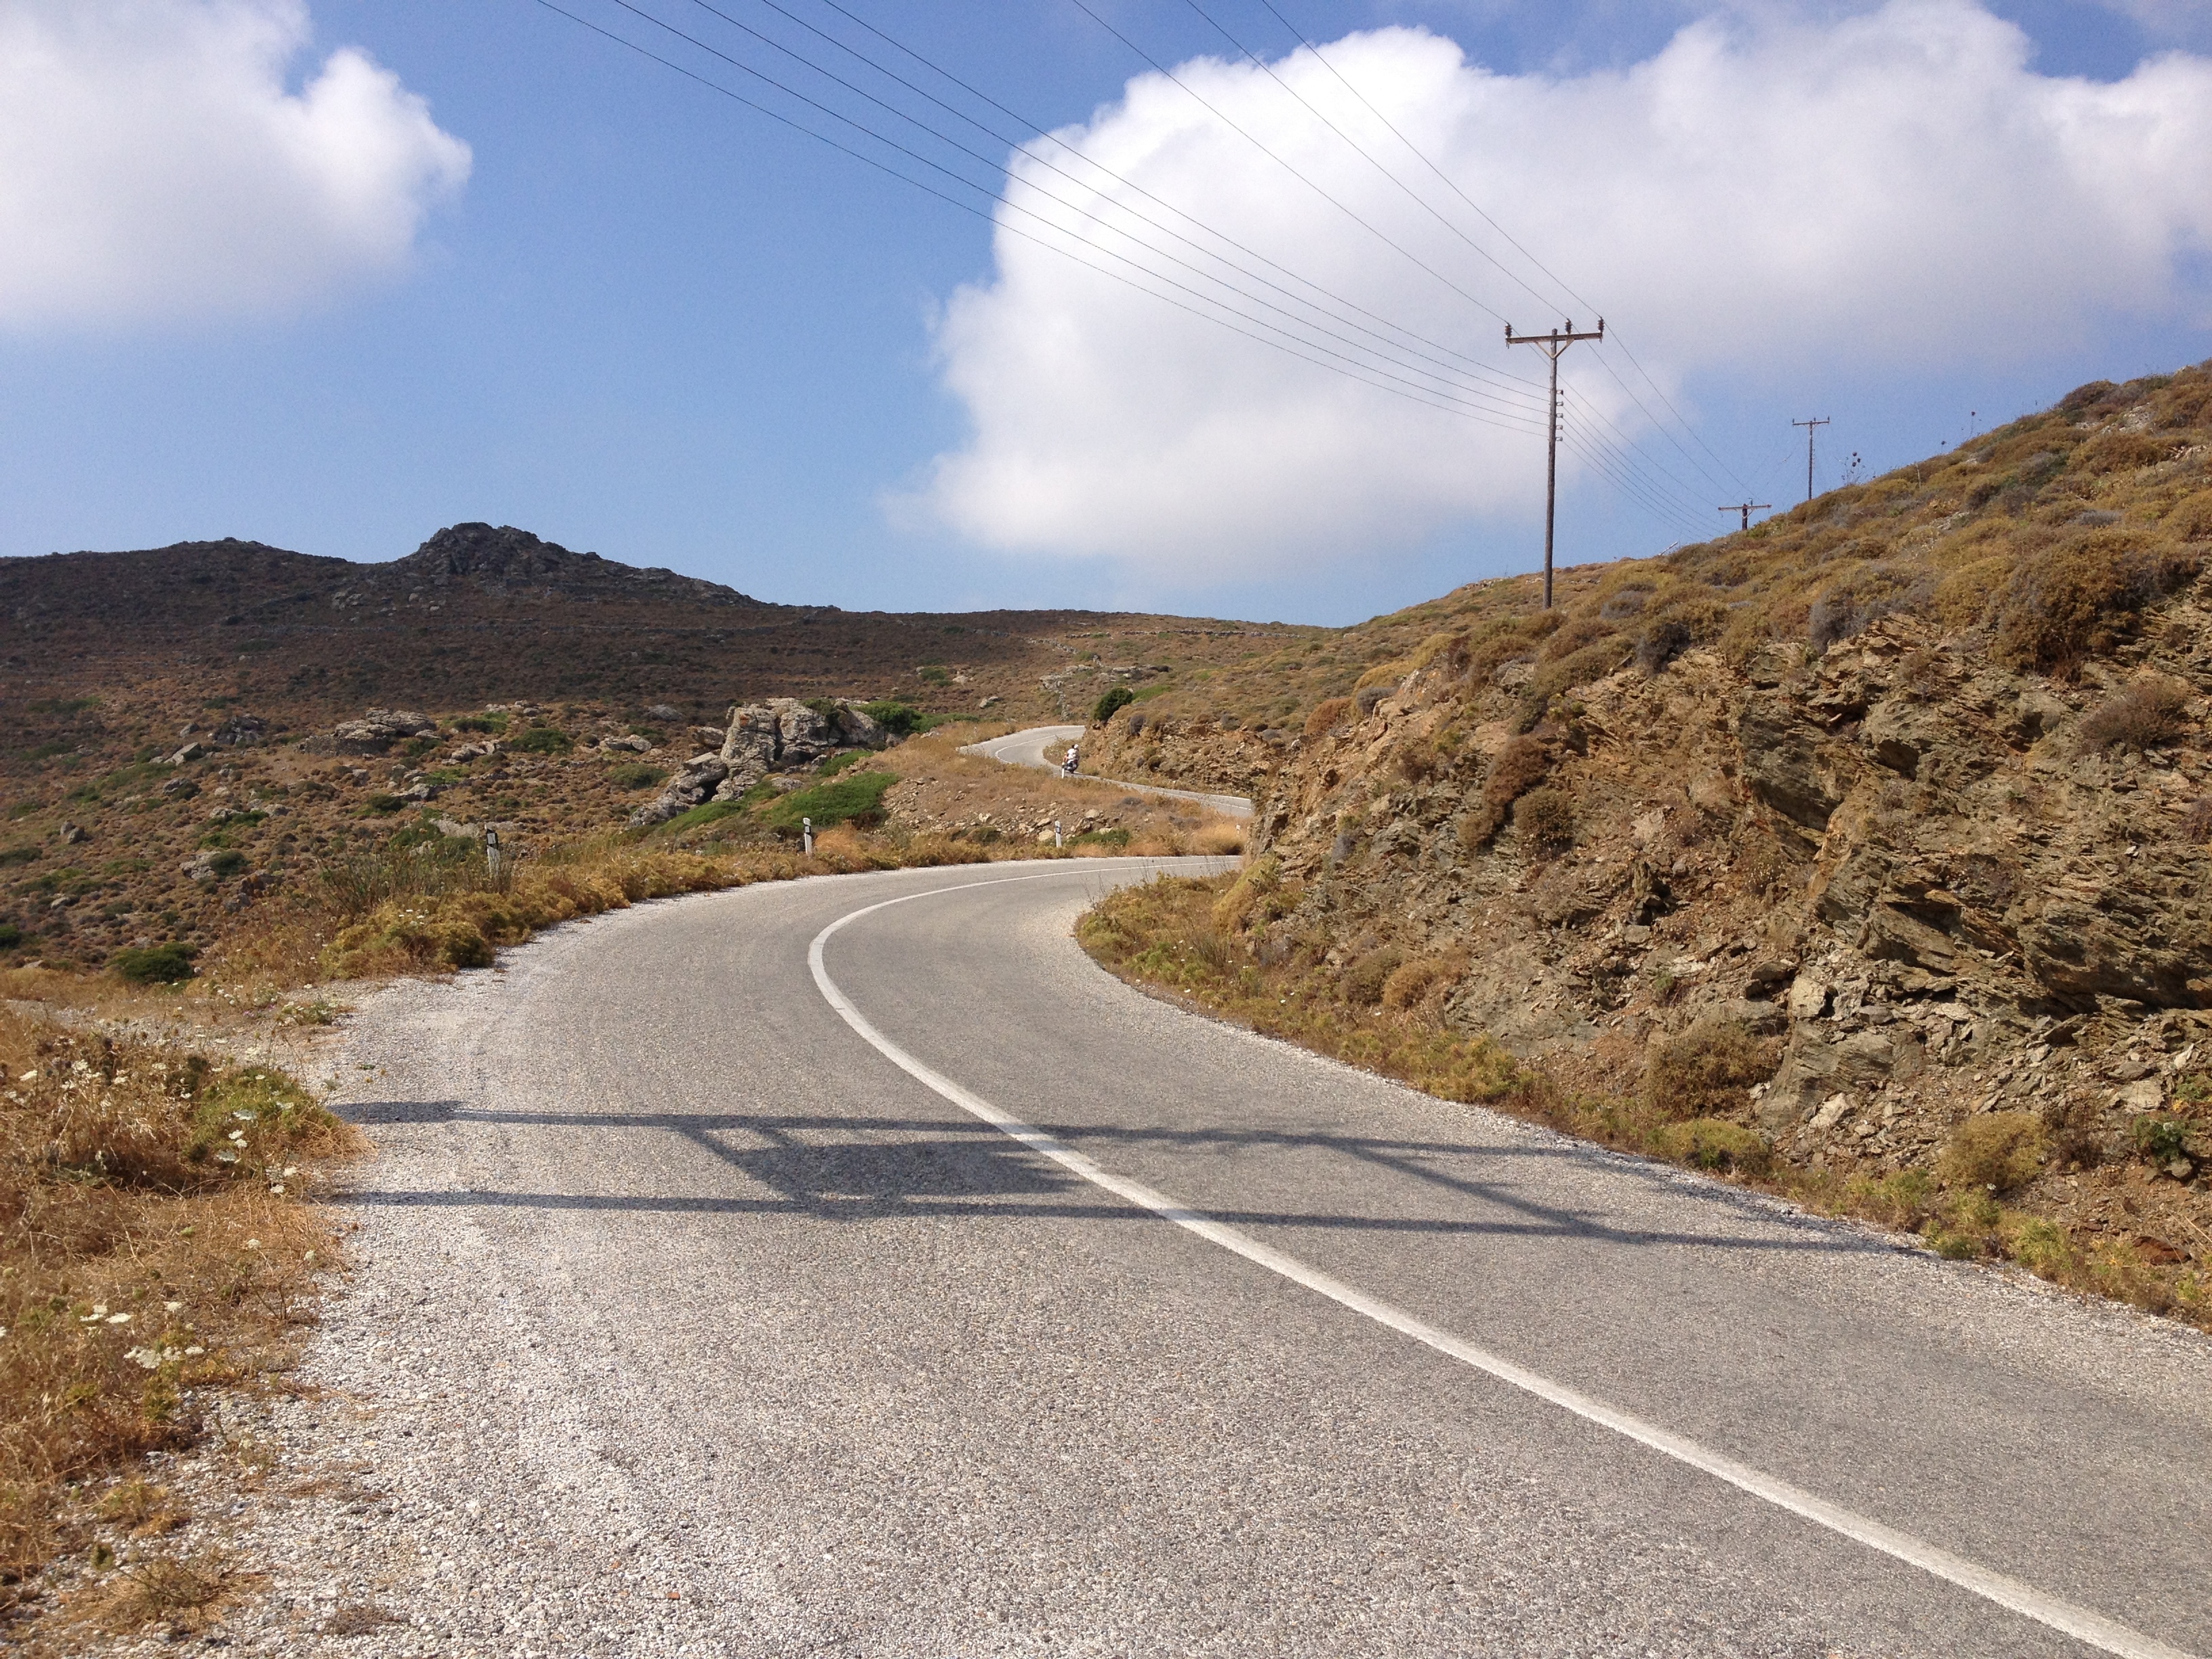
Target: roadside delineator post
(491, 853)
(1056, 833)
(806, 834)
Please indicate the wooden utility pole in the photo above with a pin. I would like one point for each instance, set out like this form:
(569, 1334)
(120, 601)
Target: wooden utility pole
(1810, 427)
(1748, 509)
(1553, 345)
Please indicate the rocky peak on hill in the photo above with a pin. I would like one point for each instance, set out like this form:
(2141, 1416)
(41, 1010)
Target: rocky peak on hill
(502, 556)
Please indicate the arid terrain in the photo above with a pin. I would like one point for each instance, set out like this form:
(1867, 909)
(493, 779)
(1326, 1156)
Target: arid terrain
(1868, 851)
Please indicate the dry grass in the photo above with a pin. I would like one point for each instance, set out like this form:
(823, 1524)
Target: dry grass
(152, 1241)
(1689, 1111)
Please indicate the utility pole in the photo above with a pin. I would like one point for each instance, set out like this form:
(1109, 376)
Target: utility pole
(1552, 345)
(1746, 508)
(1810, 427)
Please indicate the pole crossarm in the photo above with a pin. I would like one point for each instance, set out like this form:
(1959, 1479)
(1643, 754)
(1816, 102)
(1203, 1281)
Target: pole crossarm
(1553, 345)
(1746, 508)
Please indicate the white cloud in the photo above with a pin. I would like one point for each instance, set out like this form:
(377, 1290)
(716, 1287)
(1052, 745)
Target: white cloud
(155, 167)
(1767, 193)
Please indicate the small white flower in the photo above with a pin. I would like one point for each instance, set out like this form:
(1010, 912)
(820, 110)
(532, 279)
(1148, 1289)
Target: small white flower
(291, 1170)
(173, 1307)
(277, 1189)
(118, 1319)
(252, 1243)
(190, 1352)
(145, 1357)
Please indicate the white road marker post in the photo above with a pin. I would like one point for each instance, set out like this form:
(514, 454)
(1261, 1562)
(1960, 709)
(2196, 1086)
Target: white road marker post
(806, 834)
(491, 853)
(1055, 834)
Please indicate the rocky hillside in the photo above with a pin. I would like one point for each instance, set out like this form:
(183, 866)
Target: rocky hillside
(1881, 829)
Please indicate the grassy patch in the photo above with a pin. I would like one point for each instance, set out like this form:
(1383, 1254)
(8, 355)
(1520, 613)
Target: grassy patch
(855, 797)
(156, 1245)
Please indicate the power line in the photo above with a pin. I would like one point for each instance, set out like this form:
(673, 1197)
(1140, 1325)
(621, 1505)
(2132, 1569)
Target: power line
(1428, 396)
(1450, 394)
(1474, 206)
(1456, 392)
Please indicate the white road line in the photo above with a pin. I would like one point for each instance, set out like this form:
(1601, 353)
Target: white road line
(2083, 1625)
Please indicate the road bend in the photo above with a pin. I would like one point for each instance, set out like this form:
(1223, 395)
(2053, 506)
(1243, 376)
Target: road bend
(945, 1296)
(1041, 747)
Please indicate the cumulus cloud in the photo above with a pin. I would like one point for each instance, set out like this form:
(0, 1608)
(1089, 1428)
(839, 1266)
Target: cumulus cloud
(154, 166)
(1770, 192)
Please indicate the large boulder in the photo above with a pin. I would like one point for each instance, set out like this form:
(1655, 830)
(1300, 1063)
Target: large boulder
(694, 786)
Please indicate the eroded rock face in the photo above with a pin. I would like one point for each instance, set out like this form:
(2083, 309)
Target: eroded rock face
(693, 786)
(1901, 866)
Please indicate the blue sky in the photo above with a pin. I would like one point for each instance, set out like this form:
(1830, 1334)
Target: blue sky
(655, 325)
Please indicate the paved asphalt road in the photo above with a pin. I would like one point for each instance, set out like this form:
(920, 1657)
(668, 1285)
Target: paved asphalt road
(904, 1384)
(1043, 747)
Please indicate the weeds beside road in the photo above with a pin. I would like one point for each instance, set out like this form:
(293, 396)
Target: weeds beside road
(1383, 1013)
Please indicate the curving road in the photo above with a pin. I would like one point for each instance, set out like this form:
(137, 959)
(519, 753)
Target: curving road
(856, 1261)
(1043, 747)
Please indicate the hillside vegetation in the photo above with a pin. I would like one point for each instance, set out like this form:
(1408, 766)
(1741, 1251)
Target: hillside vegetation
(1865, 852)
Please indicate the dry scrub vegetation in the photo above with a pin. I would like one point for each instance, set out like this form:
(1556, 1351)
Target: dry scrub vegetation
(1383, 1013)
(154, 1242)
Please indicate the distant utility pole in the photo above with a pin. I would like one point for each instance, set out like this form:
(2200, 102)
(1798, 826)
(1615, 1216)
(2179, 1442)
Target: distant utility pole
(1810, 427)
(1748, 509)
(1553, 345)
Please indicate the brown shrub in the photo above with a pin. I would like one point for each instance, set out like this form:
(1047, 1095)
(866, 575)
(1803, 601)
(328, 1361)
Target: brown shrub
(1544, 819)
(1326, 715)
(2144, 714)
(1998, 1151)
(1363, 980)
(1523, 764)
(2191, 518)
(1579, 634)
(1707, 1072)
(1410, 983)
(2122, 452)
(1713, 1143)
(2078, 598)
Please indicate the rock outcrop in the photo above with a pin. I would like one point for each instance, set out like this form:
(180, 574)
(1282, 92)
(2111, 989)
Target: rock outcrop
(781, 735)
(378, 729)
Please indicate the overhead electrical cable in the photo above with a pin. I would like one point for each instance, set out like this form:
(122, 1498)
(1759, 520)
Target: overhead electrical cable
(1410, 391)
(1452, 185)
(1348, 213)
(1479, 369)
(1481, 397)
(1269, 70)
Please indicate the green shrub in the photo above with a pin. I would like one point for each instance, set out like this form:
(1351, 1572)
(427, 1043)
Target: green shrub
(227, 861)
(158, 964)
(1996, 1152)
(383, 804)
(10, 936)
(1119, 697)
(855, 798)
(934, 673)
(19, 855)
(2079, 598)
(2162, 1139)
(1705, 1071)
(542, 740)
(1713, 1143)
(901, 719)
(836, 763)
(481, 723)
(637, 776)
